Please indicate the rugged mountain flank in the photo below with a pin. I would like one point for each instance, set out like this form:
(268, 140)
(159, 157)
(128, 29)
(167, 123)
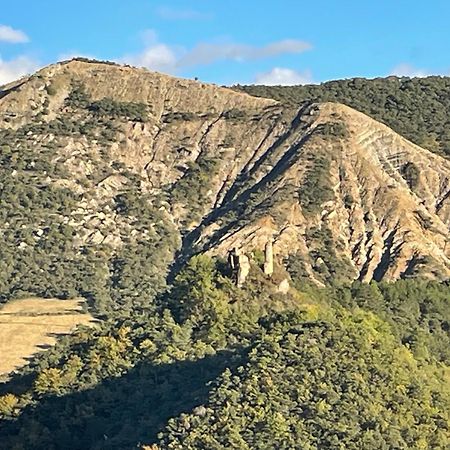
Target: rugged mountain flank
(417, 108)
(353, 190)
(118, 185)
(125, 171)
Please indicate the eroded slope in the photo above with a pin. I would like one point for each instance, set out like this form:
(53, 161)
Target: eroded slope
(139, 169)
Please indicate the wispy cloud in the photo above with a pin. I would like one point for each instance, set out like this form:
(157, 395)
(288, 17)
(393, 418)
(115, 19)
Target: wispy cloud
(15, 68)
(168, 13)
(166, 58)
(284, 77)
(207, 53)
(407, 70)
(159, 57)
(12, 36)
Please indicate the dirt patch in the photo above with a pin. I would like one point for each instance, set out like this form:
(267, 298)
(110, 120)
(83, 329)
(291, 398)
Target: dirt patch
(31, 325)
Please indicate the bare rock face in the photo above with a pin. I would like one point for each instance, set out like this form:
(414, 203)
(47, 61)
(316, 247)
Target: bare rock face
(268, 258)
(243, 269)
(380, 201)
(341, 195)
(283, 287)
(239, 265)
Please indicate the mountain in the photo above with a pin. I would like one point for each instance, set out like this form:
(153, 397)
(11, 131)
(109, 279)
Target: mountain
(416, 108)
(161, 201)
(107, 168)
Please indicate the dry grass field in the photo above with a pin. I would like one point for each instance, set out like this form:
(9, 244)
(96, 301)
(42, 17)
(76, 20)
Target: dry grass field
(30, 325)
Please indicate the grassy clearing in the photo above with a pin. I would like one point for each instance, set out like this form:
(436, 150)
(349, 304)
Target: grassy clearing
(33, 324)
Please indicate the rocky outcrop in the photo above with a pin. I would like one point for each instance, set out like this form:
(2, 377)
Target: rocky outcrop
(268, 258)
(330, 187)
(239, 265)
(381, 223)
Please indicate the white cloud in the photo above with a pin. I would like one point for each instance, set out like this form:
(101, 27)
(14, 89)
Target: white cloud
(158, 57)
(407, 70)
(181, 14)
(166, 58)
(155, 56)
(285, 46)
(207, 53)
(283, 76)
(15, 68)
(8, 34)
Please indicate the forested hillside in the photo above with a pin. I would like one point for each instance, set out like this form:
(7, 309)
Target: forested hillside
(264, 275)
(362, 366)
(417, 108)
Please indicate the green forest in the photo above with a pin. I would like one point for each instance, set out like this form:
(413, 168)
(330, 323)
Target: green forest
(416, 108)
(219, 367)
(41, 253)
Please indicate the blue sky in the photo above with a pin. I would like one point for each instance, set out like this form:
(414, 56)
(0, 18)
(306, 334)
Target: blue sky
(227, 42)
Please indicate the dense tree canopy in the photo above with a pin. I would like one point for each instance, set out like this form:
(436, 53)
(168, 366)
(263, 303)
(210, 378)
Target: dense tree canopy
(416, 108)
(342, 384)
(346, 367)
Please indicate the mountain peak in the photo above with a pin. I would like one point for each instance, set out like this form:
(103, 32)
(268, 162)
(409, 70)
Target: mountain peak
(161, 93)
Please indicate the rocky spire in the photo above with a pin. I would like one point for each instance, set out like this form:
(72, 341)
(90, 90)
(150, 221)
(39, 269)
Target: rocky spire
(268, 258)
(240, 266)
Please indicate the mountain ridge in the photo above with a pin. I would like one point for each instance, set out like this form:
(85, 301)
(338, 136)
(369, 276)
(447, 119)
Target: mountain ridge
(342, 196)
(416, 108)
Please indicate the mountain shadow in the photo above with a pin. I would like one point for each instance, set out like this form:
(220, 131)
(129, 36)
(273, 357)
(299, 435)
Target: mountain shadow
(119, 413)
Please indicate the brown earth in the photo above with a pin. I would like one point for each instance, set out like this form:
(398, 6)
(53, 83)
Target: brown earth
(28, 326)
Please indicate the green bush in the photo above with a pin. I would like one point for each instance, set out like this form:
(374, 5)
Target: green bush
(411, 173)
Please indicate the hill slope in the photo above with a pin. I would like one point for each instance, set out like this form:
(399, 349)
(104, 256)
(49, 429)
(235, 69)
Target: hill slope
(110, 173)
(416, 108)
